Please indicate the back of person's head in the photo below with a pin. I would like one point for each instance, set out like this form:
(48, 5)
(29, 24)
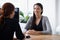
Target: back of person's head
(8, 8)
(40, 5)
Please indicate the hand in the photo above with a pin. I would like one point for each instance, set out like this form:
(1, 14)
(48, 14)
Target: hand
(31, 32)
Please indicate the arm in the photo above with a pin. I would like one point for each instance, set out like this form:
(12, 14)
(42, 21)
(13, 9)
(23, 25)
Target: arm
(29, 22)
(33, 32)
(19, 33)
(47, 26)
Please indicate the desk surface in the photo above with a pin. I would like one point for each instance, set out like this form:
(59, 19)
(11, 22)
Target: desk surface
(44, 37)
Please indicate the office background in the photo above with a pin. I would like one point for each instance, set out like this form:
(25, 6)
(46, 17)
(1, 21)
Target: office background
(51, 9)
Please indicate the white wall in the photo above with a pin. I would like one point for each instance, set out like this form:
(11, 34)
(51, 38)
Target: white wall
(58, 17)
(58, 12)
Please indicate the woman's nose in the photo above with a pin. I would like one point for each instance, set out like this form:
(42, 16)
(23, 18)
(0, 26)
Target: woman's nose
(35, 9)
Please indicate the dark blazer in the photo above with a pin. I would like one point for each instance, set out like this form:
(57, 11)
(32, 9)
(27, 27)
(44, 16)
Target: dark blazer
(7, 31)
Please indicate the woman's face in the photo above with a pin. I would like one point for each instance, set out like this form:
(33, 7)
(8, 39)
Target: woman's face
(37, 10)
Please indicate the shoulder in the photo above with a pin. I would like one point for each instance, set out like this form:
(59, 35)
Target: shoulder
(44, 17)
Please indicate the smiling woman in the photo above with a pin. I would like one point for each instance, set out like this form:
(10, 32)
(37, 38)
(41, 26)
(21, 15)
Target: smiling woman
(38, 24)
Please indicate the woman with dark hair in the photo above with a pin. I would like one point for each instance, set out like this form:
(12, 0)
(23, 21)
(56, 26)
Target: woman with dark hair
(38, 24)
(10, 26)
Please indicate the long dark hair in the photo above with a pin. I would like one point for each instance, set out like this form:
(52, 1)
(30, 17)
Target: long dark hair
(8, 8)
(34, 17)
